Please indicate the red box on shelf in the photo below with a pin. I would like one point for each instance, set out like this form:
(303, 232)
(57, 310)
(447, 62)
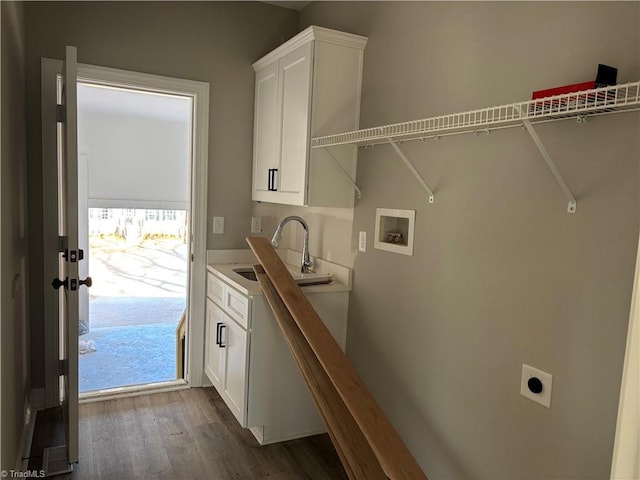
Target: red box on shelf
(576, 87)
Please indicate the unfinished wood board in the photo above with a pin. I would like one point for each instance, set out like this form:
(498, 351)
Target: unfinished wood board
(388, 448)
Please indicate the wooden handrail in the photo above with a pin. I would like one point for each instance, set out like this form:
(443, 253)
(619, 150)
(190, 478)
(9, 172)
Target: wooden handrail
(368, 445)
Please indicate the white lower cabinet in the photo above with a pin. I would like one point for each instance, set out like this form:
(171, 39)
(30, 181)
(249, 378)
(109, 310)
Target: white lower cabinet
(226, 359)
(236, 344)
(214, 355)
(252, 368)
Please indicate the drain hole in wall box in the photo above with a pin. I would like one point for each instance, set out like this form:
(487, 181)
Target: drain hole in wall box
(394, 230)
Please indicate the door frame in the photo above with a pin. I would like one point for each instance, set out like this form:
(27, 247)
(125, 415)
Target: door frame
(626, 448)
(199, 92)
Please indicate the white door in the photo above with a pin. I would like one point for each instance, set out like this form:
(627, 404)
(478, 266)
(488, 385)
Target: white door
(71, 256)
(626, 449)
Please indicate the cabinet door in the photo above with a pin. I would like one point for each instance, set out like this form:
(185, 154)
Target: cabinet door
(266, 133)
(234, 339)
(295, 94)
(214, 355)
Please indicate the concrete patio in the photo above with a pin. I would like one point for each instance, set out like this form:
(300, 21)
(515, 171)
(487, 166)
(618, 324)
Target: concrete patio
(136, 301)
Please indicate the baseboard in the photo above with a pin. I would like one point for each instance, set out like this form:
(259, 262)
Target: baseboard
(28, 427)
(258, 432)
(261, 436)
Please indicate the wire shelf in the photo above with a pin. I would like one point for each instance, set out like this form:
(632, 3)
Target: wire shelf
(598, 101)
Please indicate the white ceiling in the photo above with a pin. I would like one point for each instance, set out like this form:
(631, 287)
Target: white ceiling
(123, 102)
(293, 5)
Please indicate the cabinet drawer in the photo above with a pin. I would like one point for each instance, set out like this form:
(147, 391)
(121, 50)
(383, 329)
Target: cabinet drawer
(236, 305)
(215, 289)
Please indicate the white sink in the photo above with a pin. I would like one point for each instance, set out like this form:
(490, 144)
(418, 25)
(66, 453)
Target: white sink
(310, 278)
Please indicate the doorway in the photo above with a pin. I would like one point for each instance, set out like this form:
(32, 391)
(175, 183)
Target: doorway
(104, 77)
(134, 167)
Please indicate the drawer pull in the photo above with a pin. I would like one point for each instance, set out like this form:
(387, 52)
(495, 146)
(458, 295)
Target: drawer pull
(272, 184)
(221, 327)
(219, 333)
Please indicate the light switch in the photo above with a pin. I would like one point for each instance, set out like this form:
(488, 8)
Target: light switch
(362, 242)
(218, 224)
(256, 224)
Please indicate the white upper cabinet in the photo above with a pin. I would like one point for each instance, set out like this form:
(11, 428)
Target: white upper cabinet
(266, 133)
(307, 87)
(295, 90)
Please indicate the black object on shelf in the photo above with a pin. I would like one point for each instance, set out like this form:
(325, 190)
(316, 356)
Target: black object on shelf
(606, 76)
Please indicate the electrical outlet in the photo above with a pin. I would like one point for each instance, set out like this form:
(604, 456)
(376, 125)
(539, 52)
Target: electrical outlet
(536, 385)
(218, 224)
(362, 242)
(256, 224)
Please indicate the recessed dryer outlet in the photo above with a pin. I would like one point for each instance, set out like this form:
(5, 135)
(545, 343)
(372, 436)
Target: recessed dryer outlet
(536, 385)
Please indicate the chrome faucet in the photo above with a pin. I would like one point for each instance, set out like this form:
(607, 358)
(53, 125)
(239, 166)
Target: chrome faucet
(277, 236)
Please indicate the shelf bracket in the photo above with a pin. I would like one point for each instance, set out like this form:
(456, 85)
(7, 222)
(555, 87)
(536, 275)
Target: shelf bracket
(413, 170)
(344, 172)
(571, 207)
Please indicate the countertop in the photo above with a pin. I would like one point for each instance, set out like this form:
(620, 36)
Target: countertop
(252, 288)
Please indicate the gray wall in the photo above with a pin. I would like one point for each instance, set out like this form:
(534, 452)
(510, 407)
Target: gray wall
(215, 42)
(501, 275)
(329, 230)
(14, 377)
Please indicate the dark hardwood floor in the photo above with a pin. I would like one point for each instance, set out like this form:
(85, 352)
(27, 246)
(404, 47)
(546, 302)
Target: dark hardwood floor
(186, 434)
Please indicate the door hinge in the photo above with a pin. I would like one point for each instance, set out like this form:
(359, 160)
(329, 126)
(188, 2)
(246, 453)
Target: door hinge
(61, 114)
(62, 244)
(63, 367)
